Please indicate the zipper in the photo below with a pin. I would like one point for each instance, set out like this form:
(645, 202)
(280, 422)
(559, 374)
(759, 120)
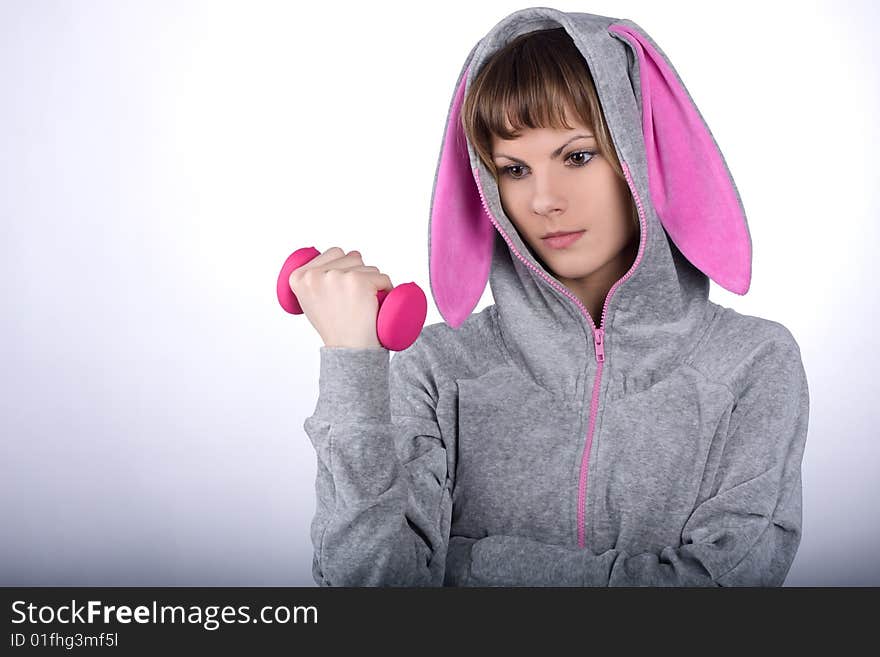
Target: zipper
(598, 333)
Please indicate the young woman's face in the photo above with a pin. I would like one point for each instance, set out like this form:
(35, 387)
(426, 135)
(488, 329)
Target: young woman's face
(556, 181)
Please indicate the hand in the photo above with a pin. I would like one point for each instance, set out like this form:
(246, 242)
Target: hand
(338, 295)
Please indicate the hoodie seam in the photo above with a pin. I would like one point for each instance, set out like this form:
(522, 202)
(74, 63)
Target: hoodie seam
(703, 338)
(499, 340)
(335, 508)
(514, 29)
(691, 359)
(496, 333)
(711, 379)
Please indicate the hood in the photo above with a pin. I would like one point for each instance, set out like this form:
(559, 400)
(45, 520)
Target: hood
(692, 222)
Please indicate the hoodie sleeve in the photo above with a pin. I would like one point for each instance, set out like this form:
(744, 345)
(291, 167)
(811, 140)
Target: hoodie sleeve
(382, 517)
(745, 534)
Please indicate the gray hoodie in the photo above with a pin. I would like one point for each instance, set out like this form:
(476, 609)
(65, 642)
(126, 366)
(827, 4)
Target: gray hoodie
(523, 445)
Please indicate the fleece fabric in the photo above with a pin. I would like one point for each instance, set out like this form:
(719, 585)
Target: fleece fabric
(523, 445)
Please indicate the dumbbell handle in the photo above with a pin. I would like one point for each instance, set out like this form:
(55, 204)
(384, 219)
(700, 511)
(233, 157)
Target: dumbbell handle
(402, 311)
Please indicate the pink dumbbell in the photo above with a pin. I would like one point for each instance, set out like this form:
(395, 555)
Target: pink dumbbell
(402, 311)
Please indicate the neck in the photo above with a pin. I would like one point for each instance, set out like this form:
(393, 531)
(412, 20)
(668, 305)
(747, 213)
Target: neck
(593, 289)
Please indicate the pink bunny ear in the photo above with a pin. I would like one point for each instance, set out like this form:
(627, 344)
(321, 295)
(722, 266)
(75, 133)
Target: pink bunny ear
(691, 189)
(461, 234)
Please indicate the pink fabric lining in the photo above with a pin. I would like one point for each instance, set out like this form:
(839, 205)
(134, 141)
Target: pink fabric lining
(461, 235)
(690, 187)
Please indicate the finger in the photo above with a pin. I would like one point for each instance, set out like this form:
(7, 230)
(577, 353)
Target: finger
(351, 259)
(327, 256)
(377, 278)
(382, 281)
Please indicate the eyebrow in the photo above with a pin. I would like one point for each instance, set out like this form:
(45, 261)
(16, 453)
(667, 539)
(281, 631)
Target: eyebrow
(553, 155)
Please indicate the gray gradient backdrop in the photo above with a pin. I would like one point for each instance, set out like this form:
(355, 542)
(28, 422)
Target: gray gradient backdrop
(160, 160)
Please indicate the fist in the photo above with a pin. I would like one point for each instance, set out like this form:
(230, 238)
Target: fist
(337, 294)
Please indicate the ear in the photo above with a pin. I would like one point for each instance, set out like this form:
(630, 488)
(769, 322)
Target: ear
(461, 236)
(691, 188)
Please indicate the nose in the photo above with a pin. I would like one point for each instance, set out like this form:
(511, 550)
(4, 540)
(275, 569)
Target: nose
(547, 200)
(547, 205)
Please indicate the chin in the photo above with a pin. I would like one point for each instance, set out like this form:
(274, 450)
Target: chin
(566, 271)
(571, 265)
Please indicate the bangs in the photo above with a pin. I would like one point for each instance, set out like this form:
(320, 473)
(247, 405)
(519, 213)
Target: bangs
(533, 86)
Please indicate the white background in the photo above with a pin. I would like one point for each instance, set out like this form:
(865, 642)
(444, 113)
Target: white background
(160, 160)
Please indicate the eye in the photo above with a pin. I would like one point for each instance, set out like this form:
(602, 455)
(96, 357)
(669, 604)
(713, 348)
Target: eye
(582, 153)
(508, 170)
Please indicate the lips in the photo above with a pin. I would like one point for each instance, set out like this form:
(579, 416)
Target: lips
(562, 241)
(561, 233)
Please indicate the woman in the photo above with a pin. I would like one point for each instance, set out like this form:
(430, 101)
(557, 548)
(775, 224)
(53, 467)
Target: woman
(602, 423)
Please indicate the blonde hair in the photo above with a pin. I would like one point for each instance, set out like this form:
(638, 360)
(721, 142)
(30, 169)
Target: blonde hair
(528, 83)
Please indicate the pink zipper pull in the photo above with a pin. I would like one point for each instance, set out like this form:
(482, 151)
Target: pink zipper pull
(599, 335)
